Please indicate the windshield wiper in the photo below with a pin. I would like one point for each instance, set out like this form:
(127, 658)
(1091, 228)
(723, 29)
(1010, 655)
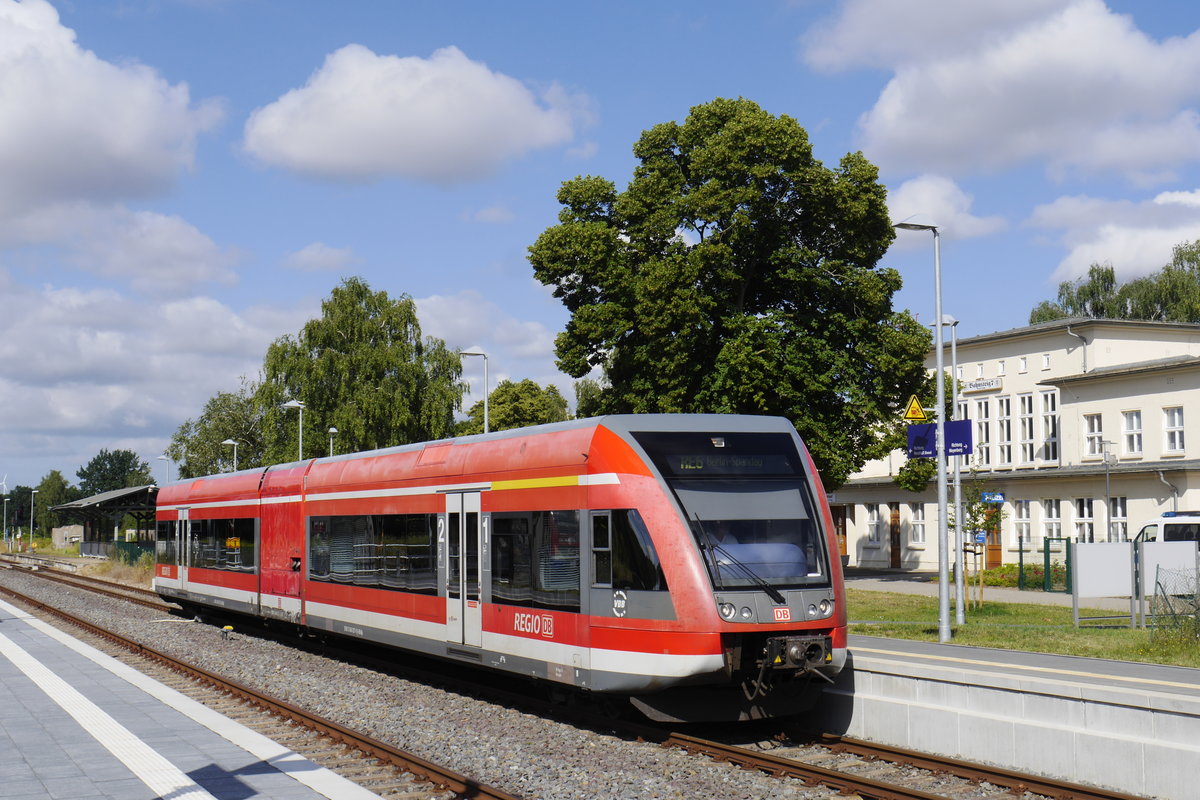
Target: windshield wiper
(771, 591)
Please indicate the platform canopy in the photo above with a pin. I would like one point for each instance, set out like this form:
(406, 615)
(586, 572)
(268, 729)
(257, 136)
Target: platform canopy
(102, 513)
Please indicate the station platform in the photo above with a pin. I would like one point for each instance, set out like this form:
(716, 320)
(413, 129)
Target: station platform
(76, 723)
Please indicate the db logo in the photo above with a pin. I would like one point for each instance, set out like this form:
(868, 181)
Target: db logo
(783, 614)
(532, 623)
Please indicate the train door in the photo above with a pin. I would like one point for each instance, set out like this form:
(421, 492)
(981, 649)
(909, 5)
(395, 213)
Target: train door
(460, 541)
(183, 546)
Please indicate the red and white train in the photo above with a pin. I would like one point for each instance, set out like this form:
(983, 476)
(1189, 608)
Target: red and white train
(684, 561)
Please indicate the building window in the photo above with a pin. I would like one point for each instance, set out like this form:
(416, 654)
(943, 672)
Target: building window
(1022, 364)
(1118, 520)
(1021, 515)
(958, 373)
(1000, 367)
(1132, 438)
(979, 370)
(1085, 523)
(916, 529)
(1173, 427)
(1004, 429)
(1025, 406)
(874, 522)
(983, 430)
(1045, 361)
(1050, 426)
(1093, 435)
(1051, 519)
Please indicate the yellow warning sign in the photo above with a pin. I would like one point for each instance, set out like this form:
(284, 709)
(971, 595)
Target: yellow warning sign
(913, 411)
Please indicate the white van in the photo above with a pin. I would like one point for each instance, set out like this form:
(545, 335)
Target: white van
(1172, 526)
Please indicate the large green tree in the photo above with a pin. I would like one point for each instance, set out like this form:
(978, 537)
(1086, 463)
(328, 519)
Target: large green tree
(515, 405)
(736, 273)
(54, 490)
(113, 469)
(363, 368)
(198, 445)
(1171, 294)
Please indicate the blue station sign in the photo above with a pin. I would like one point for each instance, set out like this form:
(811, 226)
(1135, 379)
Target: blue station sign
(922, 439)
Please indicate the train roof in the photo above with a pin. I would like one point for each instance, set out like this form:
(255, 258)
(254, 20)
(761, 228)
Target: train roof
(577, 432)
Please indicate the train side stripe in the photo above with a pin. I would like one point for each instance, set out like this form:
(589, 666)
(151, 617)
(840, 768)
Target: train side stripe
(602, 479)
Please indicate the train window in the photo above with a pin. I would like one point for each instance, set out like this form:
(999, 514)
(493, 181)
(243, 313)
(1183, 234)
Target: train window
(635, 561)
(164, 542)
(388, 551)
(623, 554)
(512, 574)
(226, 544)
(535, 559)
(601, 551)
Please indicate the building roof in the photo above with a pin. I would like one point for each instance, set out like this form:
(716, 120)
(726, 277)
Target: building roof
(1078, 322)
(1121, 370)
(137, 500)
(1043, 473)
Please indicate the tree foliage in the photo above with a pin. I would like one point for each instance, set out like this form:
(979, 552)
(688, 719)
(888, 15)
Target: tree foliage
(515, 405)
(588, 398)
(198, 445)
(363, 368)
(110, 470)
(1172, 294)
(54, 490)
(738, 274)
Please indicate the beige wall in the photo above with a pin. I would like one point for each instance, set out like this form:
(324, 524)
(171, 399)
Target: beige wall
(1005, 367)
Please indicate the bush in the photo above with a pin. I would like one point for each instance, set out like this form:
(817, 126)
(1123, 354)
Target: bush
(1009, 575)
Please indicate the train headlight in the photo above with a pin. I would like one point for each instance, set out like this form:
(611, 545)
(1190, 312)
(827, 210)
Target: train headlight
(812, 609)
(825, 607)
(747, 613)
(728, 610)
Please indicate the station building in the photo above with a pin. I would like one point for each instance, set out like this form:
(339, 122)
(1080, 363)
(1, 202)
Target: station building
(1081, 424)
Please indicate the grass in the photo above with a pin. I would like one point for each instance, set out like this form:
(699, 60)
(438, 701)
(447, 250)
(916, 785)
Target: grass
(1018, 626)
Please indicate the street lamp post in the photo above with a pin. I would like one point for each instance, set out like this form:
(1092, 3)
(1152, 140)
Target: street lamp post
(235, 444)
(943, 533)
(332, 431)
(165, 458)
(486, 427)
(296, 404)
(32, 497)
(960, 614)
(7, 541)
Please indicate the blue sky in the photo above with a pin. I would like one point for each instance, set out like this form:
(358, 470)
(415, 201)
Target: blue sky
(183, 181)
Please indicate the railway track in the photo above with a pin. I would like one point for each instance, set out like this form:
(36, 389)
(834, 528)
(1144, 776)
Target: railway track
(376, 765)
(862, 769)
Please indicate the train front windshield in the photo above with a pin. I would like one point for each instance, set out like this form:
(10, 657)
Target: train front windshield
(747, 501)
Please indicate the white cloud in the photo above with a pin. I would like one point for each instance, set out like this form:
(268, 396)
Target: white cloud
(158, 255)
(73, 126)
(443, 119)
(516, 349)
(495, 213)
(112, 371)
(1136, 238)
(936, 200)
(986, 86)
(320, 257)
(884, 33)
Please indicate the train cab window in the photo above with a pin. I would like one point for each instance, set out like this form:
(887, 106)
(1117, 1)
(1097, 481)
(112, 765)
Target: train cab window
(746, 497)
(535, 559)
(623, 555)
(387, 551)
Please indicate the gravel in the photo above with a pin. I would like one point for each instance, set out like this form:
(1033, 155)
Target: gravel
(523, 754)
